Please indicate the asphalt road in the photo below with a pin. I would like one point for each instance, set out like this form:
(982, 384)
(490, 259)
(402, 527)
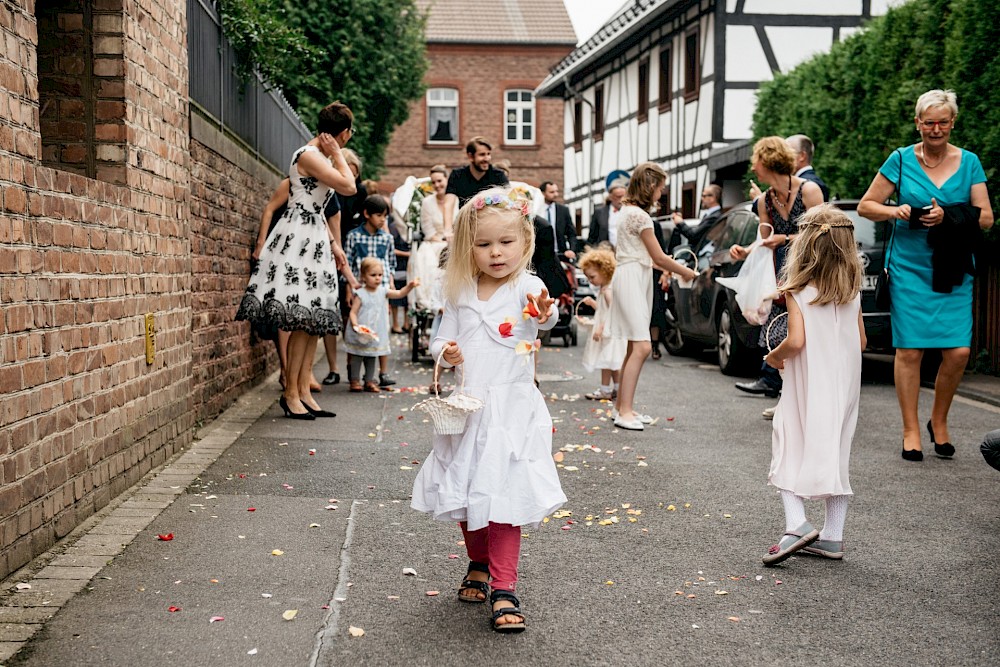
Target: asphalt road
(677, 580)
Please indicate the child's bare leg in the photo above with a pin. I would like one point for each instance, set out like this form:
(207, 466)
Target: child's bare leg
(330, 343)
(635, 357)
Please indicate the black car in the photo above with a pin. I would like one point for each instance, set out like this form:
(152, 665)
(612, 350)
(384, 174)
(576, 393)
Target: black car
(706, 315)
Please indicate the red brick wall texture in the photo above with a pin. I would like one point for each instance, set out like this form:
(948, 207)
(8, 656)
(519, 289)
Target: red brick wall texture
(147, 221)
(482, 73)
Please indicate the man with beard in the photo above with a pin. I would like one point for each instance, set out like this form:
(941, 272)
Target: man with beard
(465, 182)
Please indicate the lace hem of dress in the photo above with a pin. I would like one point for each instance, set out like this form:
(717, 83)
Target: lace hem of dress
(289, 317)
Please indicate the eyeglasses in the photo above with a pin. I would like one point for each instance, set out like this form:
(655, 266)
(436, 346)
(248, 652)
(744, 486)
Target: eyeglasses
(929, 124)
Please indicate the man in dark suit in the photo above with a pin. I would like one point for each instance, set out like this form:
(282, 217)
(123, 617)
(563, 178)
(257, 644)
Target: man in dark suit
(604, 226)
(711, 210)
(804, 149)
(559, 218)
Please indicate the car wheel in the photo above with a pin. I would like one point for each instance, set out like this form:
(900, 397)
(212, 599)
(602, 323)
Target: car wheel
(734, 355)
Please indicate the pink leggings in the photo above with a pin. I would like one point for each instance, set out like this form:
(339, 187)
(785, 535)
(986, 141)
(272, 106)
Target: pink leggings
(499, 546)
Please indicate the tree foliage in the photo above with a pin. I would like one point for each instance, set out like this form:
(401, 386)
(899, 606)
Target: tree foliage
(374, 59)
(856, 102)
(265, 42)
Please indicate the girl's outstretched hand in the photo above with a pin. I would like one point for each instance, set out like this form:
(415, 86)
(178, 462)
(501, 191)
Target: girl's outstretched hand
(542, 303)
(453, 353)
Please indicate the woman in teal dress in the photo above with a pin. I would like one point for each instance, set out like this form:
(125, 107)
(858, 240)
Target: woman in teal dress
(932, 173)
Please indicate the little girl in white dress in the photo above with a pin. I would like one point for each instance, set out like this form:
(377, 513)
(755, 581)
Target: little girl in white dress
(816, 417)
(498, 475)
(603, 351)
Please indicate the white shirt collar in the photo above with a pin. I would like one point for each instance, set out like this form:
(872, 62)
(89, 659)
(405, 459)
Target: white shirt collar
(710, 210)
(803, 169)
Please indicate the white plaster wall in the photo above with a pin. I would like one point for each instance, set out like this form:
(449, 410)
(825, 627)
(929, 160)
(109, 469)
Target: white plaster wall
(794, 45)
(738, 115)
(745, 59)
(810, 7)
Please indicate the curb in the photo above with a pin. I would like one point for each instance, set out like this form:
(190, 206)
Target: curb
(44, 586)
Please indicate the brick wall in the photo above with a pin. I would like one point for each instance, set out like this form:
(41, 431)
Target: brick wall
(228, 192)
(82, 261)
(482, 75)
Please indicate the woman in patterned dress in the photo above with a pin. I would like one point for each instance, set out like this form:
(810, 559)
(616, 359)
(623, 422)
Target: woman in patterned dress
(294, 285)
(787, 198)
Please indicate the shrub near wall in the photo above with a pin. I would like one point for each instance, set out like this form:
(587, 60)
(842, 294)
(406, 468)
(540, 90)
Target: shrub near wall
(856, 103)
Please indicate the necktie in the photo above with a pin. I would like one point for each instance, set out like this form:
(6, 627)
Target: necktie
(555, 232)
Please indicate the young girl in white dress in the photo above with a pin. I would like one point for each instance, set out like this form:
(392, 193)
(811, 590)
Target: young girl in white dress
(632, 288)
(602, 351)
(368, 336)
(815, 419)
(498, 475)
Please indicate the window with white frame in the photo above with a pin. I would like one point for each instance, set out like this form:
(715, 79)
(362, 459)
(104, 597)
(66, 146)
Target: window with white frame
(519, 117)
(442, 116)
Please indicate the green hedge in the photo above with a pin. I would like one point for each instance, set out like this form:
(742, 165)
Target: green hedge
(856, 102)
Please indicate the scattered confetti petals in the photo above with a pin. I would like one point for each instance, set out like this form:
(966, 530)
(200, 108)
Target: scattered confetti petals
(314, 525)
(290, 614)
(409, 571)
(216, 619)
(252, 651)
(734, 619)
(165, 538)
(277, 552)
(722, 592)
(251, 509)
(431, 594)
(173, 609)
(356, 632)
(266, 595)
(23, 587)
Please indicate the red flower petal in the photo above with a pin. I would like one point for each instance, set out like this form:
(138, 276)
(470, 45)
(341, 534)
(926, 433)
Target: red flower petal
(506, 330)
(251, 509)
(173, 609)
(530, 310)
(165, 538)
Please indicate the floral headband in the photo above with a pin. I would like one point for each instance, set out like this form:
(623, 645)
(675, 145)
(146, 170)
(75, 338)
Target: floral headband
(507, 201)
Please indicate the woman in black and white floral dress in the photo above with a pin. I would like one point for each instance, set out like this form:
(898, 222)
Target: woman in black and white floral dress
(294, 285)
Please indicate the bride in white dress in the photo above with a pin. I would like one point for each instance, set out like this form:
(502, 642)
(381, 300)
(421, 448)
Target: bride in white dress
(425, 264)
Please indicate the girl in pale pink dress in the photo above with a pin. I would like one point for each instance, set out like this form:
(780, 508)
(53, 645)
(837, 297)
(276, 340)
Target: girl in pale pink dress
(815, 419)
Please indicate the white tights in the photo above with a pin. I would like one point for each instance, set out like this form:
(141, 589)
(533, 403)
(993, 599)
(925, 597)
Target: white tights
(836, 515)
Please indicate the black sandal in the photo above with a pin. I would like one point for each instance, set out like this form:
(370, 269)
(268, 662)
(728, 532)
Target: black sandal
(470, 584)
(498, 596)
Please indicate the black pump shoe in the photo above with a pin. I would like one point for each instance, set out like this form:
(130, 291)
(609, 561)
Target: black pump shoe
(319, 413)
(308, 416)
(912, 454)
(944, 450)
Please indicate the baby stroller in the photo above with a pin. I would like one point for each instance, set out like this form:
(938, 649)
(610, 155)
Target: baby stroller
(565, 327)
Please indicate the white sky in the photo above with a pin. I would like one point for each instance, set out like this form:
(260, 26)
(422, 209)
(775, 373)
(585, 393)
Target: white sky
(589, 15)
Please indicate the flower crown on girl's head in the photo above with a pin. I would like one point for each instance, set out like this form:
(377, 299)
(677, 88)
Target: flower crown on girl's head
(515, 200)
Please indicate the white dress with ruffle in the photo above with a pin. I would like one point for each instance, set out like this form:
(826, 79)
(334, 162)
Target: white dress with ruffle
(500, 469)
(632, 284)
(609, 352)
(425, 263)
(817, 415)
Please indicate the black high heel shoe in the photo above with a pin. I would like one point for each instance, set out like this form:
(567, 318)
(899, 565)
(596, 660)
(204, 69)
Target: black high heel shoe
(945, 450)
(308, 416)
(912, 454)
(319, 413)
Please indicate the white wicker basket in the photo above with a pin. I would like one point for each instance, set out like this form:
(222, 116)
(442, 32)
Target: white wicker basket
(583, 320)
(687, 284)
(449, 414)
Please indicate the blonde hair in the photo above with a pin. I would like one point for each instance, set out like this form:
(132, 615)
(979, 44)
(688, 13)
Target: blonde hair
(775, 154)
(824, 254)
(937, 98)
(502, 204)
(351, 158)
(645, 179)
(440, 169)
(368, 263)
(601, 259)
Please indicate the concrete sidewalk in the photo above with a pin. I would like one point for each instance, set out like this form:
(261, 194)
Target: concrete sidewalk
(659, 562)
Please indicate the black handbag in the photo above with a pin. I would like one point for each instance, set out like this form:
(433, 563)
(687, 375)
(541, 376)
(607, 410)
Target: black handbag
(883, 301)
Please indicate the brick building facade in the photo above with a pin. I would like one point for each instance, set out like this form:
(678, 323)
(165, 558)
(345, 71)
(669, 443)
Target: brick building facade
(473, 70)
(116, 201)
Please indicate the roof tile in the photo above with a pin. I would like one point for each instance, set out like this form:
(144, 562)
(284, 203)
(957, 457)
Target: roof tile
(498, 22)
